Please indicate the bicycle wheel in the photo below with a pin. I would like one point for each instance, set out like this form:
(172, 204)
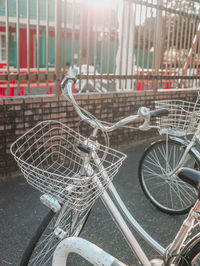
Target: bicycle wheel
(41, 247)
(192, 254)
(161, 186)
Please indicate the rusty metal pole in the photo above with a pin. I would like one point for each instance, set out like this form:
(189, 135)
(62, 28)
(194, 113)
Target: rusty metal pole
(58, 16)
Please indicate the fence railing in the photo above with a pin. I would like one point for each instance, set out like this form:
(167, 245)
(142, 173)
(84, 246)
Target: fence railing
(117, 45)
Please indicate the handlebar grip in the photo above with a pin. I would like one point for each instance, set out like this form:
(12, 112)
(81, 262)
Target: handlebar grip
(66, 79)
(160, 112)
(70, 76)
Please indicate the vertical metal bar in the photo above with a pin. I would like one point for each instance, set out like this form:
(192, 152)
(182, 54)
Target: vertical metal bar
(193, 51)
(188, 49)
(73, 24)
(95, 33)
(198, 52)
(102, 48)
(80, 42)
(154, 72)
(168, 43)
(88, 43)
(172, 45)
(84, 29)
(144, 42)
(18, 43)
(115, 42)
(65, 36)
(28, 43)
(133, 53)
(185, 35)
(184, 48)
(149, 42)
(127, 45)
(122, 44)
(177, 19)
(138, 40)
(163, 46)
(148, 48)
(153, 45)
(153, 41)
(38, 42)
(47, 39)
(188, 39)
(108, 48)
(144, 46)
(157, 47)
(177, 34)
(58, 45)
(181, 56)
(7, 44)
(189, 52)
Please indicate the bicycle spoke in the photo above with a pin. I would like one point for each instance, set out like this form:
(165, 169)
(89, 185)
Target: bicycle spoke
(150, 171)
(157, 185)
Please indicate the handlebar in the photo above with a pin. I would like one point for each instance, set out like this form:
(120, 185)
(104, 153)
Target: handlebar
(144, 113)
(160, 112)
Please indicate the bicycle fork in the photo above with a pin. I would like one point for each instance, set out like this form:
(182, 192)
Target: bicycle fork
(174, 250)
(188, 148)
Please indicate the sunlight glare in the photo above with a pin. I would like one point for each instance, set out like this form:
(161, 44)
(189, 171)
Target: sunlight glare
(102, 3)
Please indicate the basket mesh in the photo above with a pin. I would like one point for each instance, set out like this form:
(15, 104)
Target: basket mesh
(182, 120)
(51, 162)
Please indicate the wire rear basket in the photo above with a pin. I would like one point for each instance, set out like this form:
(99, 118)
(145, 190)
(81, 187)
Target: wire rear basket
(49, 157)
(183, 117)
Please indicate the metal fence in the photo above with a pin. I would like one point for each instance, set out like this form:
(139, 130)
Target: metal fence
(115, 45)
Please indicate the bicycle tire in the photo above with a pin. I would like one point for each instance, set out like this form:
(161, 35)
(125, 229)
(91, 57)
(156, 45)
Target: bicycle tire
(191, 254)
(44, 256)
(168, 193)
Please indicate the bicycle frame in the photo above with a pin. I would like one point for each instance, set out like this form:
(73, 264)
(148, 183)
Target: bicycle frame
(190, 146)
(119, 212)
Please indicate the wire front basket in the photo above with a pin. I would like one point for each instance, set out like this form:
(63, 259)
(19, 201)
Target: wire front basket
(182, 120)
(51, 161)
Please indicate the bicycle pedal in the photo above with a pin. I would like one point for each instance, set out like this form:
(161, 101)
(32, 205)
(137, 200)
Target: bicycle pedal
(157, 262)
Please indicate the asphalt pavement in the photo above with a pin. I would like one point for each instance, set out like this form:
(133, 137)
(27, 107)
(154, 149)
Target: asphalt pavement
(21, 213)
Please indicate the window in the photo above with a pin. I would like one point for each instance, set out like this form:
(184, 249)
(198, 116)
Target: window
(2, 48)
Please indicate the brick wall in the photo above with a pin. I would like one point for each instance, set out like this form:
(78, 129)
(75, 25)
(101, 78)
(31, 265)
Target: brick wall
(17, 115)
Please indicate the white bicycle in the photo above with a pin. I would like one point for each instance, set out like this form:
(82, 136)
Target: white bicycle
(73, 171)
